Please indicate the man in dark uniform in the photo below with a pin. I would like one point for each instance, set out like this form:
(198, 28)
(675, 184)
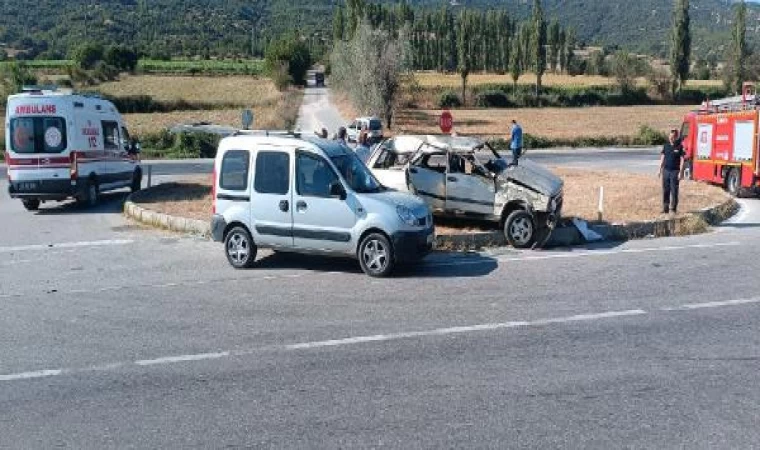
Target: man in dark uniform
(671, 171)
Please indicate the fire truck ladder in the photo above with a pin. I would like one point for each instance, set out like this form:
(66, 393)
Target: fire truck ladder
(747, 101)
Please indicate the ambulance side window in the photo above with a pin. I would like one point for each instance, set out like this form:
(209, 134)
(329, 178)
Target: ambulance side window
(110, 135)
(124, 138)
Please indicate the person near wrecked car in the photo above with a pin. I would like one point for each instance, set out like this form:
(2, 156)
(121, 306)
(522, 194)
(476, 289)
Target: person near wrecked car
(341, 136)
(671, 171)
(516, 141)
(362, 147)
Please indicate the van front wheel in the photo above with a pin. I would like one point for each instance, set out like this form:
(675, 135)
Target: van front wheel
(136, 181)
(376, 255)
(240, 248)
(31, 205)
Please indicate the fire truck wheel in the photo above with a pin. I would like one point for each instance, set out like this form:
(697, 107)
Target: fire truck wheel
(733, 182)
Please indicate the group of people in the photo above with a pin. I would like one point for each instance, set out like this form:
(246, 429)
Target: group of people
(362, 148)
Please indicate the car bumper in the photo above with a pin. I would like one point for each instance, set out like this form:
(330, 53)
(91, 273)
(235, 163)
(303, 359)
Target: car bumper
(410, 246)
(218, 225)
(44, 189)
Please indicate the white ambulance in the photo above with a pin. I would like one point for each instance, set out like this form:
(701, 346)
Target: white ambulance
(61, 145)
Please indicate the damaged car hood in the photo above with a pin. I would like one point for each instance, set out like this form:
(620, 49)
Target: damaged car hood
(533, 176)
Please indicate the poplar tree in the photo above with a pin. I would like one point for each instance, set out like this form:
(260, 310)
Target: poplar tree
(738, 48)
(680, 46)
(553, 40)
(539, 43)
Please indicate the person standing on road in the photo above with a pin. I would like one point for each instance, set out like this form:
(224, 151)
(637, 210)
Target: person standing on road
(362, 147)
(671, 172)
(516, 141)
(341, 137)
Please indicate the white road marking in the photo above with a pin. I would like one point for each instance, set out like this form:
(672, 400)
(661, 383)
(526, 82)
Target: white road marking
(365, 339)
(718, 304)
(181, 358)
(31, 375)
(37, 247)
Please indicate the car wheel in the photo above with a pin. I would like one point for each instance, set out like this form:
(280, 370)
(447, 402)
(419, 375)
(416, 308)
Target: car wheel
(376, 255)
(240, 248)
(733, 182)
(519, 229)
(136, 181)
(31, 205)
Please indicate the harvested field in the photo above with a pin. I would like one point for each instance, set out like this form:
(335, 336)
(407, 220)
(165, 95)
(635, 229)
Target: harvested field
(435, 79)
(628, 198)
(231, 90)
(564, 123)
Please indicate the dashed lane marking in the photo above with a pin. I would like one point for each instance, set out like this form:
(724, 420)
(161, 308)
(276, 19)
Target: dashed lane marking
(65, 245)
(349, 341)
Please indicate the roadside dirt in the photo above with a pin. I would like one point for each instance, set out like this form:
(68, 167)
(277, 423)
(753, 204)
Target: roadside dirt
(627, 198)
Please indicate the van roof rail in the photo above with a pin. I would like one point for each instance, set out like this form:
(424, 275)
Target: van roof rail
(39, 88)
(281, 133)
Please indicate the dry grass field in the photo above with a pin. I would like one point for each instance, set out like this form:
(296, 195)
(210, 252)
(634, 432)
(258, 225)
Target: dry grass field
(435, 79)
(564, 123)
(232, 90)
(628, 197)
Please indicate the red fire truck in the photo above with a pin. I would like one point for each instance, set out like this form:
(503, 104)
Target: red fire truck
(721, 142)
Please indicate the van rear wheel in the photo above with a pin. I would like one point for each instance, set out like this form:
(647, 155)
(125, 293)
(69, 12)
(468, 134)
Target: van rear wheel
(31, 204)
(91, 194)
(136, 181)
(240, 248)
(376, 255)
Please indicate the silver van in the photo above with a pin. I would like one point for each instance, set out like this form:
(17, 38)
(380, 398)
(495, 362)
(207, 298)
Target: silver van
(465, 177)
(311, 195)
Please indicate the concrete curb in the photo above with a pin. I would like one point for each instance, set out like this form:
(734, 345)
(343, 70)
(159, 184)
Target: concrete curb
(692, 223)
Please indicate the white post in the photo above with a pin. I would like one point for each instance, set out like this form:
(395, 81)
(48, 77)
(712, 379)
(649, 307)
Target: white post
(600, 209)
(150, 167)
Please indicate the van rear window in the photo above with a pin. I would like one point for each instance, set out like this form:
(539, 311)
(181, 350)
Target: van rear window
(38, 134)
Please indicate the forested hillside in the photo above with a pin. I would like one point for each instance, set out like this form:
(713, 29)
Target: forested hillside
(50, 28)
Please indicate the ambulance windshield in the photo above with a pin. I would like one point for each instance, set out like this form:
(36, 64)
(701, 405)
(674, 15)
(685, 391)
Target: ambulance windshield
(37, 134)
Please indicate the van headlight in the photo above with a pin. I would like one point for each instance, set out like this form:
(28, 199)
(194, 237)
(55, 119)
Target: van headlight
(406, 215)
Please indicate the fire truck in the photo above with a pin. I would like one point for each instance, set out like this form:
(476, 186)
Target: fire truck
(721, 142)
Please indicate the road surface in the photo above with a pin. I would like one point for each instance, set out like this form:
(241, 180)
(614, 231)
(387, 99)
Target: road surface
(114, 336)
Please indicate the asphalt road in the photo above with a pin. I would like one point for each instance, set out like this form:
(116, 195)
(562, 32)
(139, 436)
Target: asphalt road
(113, 336)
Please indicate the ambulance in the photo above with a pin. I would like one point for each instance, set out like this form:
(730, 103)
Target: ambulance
(62, 145)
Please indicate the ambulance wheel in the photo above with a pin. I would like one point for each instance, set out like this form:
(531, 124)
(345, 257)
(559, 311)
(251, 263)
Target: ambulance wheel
(520, 229)
(240, 248)
(91, 194)
(31, 205)
(733, 182)
(136, 181)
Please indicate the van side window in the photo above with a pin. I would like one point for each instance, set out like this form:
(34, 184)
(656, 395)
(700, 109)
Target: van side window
(110, 135)
(234, 173)
(272, 173)
(313, 176)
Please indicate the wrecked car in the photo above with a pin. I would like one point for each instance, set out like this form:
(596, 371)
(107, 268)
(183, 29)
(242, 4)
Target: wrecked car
(466, 177)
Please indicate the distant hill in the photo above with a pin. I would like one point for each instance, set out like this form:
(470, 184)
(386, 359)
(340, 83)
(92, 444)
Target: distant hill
(217, 27)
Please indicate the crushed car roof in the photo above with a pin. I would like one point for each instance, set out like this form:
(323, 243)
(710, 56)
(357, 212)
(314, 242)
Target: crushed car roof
(456, 144)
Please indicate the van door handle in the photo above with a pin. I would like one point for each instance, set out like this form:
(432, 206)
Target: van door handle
(284, 205)
(452, 179)
(301, 205)
(413, 170)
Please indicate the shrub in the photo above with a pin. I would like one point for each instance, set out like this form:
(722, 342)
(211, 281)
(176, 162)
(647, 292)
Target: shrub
(292, 52)
(449, 99)
(492, 99)
(165, 144)
(649, 136)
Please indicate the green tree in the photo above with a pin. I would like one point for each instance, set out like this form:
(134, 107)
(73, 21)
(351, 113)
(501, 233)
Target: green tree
(737, 62)
(539, 43)
(625, 70)
(515, 62)
(680, 45)
(339, 24)
(553, 40)
(292, 53)
(569, 53)
(562, 44)
(121, 57)
(464, 49)
(87, 55)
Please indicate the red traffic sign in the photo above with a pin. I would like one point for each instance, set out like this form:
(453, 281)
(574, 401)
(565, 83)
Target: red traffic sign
(446, 121)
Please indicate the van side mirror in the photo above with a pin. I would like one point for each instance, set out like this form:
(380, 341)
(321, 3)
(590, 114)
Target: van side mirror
(337, 190)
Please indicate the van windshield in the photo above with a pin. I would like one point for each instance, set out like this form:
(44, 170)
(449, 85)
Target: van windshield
(375, 125)
(356, 174)
(38, 134)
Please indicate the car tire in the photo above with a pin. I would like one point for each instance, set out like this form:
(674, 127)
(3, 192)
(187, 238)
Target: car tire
(376, 256)
(91, 194)
(31, 205)
(136, 184)
(520, 229)
(240, 248)
(734, 182)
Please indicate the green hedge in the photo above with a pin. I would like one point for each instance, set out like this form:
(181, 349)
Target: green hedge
(645, 136)
(165, 144)
(449, 99)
